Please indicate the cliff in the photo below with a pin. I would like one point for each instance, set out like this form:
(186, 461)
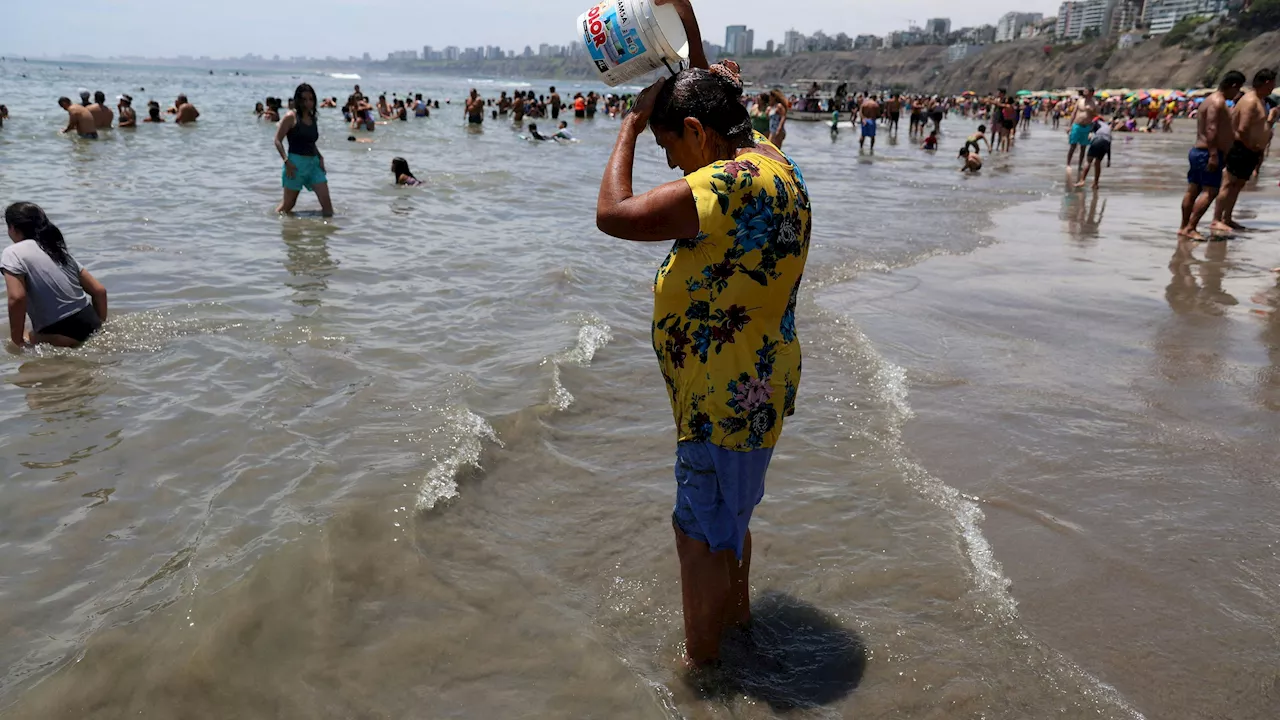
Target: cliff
(1016, 66)
(1021, 65)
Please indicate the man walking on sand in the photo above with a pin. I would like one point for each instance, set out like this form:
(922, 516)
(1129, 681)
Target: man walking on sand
(1249, 121)
(1086, 109)
(1214, 136)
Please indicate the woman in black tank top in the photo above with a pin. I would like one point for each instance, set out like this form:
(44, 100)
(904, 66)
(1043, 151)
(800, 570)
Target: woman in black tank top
(303, 163)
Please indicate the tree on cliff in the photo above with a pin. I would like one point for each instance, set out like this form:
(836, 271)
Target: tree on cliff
(1262, 16)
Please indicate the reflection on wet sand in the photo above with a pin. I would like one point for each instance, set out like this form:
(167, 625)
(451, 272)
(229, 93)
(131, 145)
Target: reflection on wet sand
(1083, 219)
(1187, 294)
(306, 244)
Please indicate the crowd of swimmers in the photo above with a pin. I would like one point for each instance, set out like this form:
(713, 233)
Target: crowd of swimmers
(91, 114)
(1234, 129)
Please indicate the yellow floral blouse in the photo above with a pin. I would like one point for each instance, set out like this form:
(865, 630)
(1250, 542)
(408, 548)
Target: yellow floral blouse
(724, 324)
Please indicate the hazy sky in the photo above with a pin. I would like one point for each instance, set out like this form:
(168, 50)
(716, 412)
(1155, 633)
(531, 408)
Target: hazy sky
(350, 27)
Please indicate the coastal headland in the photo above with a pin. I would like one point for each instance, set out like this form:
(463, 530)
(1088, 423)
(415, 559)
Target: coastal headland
(926, 68)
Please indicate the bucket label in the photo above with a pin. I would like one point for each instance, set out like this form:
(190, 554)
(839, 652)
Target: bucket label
(611, 36)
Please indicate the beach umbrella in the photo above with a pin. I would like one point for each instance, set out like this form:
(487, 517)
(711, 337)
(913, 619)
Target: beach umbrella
(1023, 93)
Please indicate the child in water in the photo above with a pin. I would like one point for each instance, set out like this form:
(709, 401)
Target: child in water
(972, 161)
(403, 175)
(930, 142)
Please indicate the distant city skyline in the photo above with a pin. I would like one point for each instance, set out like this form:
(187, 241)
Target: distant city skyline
(345, 28)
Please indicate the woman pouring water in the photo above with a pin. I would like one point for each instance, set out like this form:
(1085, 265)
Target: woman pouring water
(303, 163)
(723, 316)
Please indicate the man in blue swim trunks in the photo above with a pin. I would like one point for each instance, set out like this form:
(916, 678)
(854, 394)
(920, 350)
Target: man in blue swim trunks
(870, 115)
(1086, 109)
(1215, 135)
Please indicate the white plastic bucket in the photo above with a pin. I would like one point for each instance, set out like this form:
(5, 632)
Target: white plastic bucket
(626, 39)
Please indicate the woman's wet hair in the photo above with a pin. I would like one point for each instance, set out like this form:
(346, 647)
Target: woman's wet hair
(400, 166)
(29, 220)
(298, 105)
(710, 97)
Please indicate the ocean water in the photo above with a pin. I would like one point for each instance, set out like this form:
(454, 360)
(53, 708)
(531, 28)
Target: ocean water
(415, 461)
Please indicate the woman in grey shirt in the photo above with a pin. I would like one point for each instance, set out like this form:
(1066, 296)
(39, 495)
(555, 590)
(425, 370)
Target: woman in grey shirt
(66, 304)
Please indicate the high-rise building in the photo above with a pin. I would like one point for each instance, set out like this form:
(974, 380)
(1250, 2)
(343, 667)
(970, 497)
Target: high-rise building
(768, 47)
(1125, 16)
(1010, 26)
(793, 42)
(738, 40)
(1070, 20)
(1161, 15)
(937, 27)
(451, 53)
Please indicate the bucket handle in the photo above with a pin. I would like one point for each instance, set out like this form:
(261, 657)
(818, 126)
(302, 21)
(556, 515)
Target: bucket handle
(673, 72)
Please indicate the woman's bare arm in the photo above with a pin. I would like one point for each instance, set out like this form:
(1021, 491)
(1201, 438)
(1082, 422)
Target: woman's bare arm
(697, 56)
(666, 212)
(97, 292)
(17, 291)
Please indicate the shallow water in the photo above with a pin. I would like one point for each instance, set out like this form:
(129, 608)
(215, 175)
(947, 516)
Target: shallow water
(416, 461)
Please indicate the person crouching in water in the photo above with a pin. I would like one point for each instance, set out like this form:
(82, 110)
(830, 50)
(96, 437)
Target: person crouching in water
(404, 176)
(65, 302)
(303, 163)
(972, 160)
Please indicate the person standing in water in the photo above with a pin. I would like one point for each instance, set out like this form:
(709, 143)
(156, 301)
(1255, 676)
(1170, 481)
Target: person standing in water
(124, 110)
(777, 119)
(474, 108)
(894, 109)
(723, 319)
(870, 110)
(102, 116)
(1086, 109)
(65, 302)
(555, 103)
(303, 162)
(186, 112)
(1214, 137)
(79, 120)
(1242, 160)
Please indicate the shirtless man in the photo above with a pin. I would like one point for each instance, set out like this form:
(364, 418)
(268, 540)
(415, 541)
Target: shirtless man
(555, 104)
(187, 113)
(1086, 109)
(894, 108)
(1251, 135)
(475, 108)
(79, 120)
(124, 108)
(102, 116)
(870, 111)
(517, 108)
(1214, 136)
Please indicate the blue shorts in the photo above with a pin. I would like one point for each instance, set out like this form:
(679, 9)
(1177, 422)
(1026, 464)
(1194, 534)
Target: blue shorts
(716, 492)
(868, 128)
(1080, 134)
(308, 173)
(1199, 173)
